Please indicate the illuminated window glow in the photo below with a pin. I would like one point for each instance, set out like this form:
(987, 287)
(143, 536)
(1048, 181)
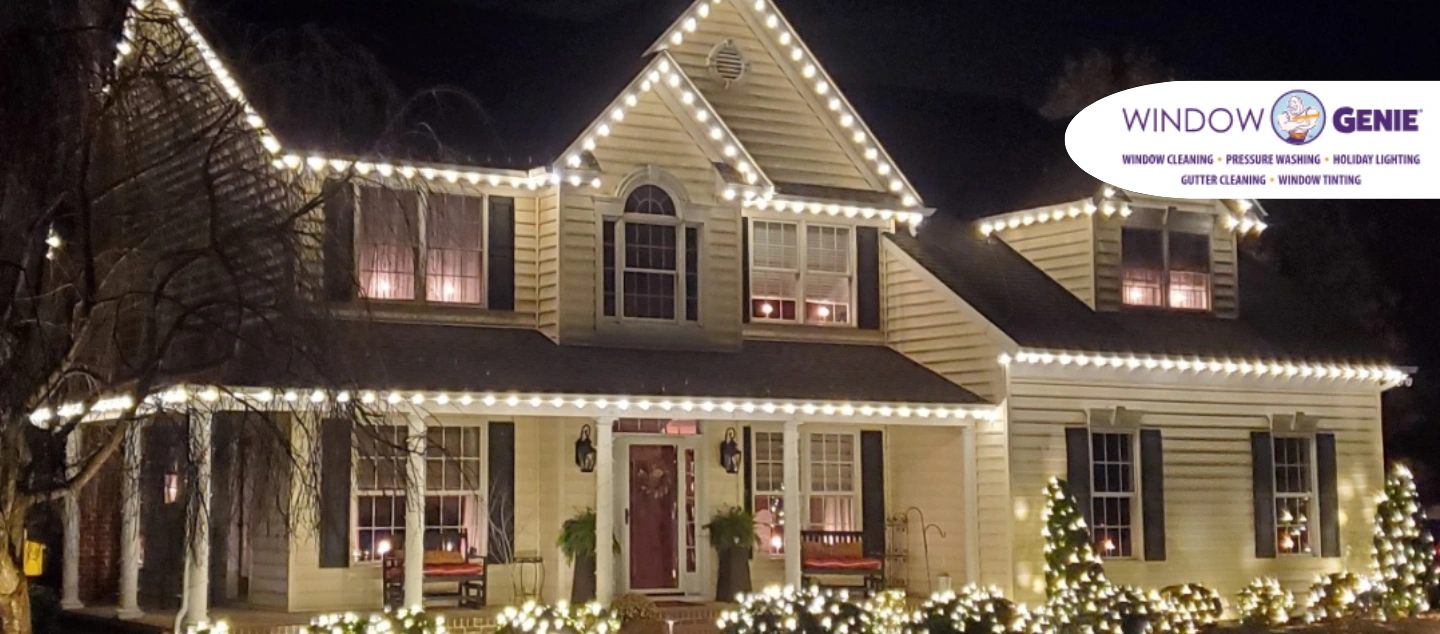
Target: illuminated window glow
(801, 272)
(453, 474)
(1293, 478)
(1112, 493)
(391, 245)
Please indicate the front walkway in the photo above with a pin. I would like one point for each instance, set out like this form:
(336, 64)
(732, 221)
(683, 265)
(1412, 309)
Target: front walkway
(680, 618)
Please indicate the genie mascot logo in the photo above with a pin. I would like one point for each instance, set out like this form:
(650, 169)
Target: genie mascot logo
(1298, 117)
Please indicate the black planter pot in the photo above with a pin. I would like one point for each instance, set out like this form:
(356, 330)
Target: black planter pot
(583, 588)
(733, 577)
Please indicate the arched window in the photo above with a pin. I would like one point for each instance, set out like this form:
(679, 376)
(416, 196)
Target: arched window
(651, 259)
(649, 199)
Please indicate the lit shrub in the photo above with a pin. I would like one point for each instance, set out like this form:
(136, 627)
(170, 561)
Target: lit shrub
(1264, 603)
(402, 621)
(1340, 595)
(972, 610)
(561, 618)
(1189, 607)
(218, 627)
(796, 611)
(889, 612)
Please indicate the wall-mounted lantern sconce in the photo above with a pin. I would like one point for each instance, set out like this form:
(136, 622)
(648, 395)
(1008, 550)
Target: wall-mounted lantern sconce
(730, 453)
(585, 451)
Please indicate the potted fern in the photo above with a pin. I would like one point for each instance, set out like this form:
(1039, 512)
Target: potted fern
(577, 543)
(732, 535)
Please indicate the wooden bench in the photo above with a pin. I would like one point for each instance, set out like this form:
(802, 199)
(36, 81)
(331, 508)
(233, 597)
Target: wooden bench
(839, 554)
(441, 566)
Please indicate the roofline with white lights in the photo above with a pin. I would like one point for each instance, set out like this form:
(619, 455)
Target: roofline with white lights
(759, 190)
(530, 404)
(1242, 224)
(1386, 376)
(800, 55)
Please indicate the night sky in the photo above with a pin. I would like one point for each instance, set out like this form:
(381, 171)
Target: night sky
(991, 51)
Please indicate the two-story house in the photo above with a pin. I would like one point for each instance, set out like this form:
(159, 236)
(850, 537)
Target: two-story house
(723, 291)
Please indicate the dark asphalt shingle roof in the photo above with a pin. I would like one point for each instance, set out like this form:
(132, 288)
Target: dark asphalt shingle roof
(1275, 321)
(479, 359)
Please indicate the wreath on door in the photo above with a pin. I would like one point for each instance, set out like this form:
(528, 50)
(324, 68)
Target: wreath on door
(654, 480)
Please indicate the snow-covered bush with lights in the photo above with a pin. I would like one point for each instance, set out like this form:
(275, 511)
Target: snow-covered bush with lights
(1263, 602)
(1341, 595)
(972, 610)
(796, 611)
(1190, 607)
(217, 627)
(402, 621)
(1403, 560)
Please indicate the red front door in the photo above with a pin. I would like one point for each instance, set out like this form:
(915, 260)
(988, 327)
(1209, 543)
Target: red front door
(654, 496)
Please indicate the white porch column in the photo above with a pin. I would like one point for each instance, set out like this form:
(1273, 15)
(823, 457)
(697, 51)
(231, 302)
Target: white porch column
(604, 509)
(794, 514)
(972, 505)
(70, 567)
(130, 527)
(415, 511)
(197, 572)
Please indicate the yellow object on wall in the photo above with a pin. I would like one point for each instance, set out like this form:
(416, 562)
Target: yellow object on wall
(34, 558)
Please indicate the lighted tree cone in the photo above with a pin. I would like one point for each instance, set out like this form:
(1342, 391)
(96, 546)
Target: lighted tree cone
(1075, 582)
(1403, 560)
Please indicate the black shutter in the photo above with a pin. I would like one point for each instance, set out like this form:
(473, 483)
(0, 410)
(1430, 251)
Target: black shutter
(1329, 495)
(1262, 460)
(867, 277)
(607, 259)
(745, 270)
(1152, 493)
(747, 445)
(501, 260)
(501, 497)
(335, 447)
(872, 492)
(1077, 469)
(692, 273)
(339, 246)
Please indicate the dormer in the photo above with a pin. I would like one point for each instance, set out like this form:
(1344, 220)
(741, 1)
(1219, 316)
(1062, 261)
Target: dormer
(1118, 250)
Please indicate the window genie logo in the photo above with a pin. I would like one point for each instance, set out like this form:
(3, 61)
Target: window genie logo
(1298, 117)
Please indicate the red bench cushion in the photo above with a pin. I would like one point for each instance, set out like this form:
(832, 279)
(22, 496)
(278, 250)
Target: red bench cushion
(846, 563)
(436, 570)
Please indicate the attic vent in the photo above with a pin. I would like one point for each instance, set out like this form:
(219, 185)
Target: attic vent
(727, 63)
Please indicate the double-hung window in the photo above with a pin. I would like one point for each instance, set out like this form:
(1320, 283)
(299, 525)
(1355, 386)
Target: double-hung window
(1112, 493)
(650, 260)
(832, 492)
(768, 478)
(1293, 500)
(454, 515)
(412, 246)
(801, 272)
(1165, 257)
(829, 485)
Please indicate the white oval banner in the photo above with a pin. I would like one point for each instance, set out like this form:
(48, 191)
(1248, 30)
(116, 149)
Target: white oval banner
(1324, 139)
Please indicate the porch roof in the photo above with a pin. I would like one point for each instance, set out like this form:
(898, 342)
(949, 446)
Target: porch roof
(455, 358)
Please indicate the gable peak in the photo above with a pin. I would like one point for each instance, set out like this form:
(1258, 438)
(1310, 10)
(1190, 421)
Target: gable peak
(811, 79)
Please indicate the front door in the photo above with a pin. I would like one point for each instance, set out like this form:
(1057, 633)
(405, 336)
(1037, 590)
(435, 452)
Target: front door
(654, 491)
